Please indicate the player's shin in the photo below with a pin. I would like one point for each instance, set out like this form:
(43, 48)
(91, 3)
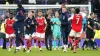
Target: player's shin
(35, 39)
(59, 44)
(34, 43)
(71, 42)
(71, 39)
(75, 44)
(39, 44)
(10, 45)
(54, 43)
(29, 45)
(42, 40)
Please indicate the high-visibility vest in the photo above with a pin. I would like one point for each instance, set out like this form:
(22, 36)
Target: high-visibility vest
(2, 28)
(97, 34)
(7, 3)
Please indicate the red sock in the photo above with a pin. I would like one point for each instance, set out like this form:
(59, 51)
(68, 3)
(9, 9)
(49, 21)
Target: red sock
(27, 44)
(34, 40)
(42, 41)
(39, 44)
(70, 40)
(10, 44)
(76, 42)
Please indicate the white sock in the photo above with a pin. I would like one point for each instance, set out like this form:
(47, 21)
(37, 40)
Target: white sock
(24, 46)
(9, 49)
(28, 51)
(40, 48)
(34, 44)
(17, 48)
(30, 48)
(64, 47)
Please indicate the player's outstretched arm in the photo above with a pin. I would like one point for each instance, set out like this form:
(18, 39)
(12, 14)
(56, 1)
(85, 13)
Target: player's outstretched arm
(69, 19)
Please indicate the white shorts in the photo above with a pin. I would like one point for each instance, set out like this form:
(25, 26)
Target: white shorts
(34, 34)
(27, 36)
(40, 35)
(10, 35)
(75, 34)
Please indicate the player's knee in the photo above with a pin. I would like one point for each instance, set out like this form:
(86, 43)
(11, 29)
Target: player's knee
(77, 38)
(38, 39)
(7, 39)
(30, 39)
(35, 38)
(42, 39)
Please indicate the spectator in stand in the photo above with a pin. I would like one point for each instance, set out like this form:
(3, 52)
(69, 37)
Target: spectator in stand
(2, 1)
(7, 2)
(32, 1)
(44, 1)
(17, 1)
(50, 12)
(10, 1)
(62, 1)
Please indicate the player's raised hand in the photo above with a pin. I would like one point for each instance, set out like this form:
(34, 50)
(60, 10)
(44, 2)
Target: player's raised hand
(99, 25)
(94, 30)
(3, 16)
(15, 19)
(28, 26)
(53, 23)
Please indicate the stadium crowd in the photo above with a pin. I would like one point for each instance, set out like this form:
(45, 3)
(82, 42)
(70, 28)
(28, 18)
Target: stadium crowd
(45, 1)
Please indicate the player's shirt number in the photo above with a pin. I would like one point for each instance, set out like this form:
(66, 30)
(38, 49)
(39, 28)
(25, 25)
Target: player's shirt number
(77, 20)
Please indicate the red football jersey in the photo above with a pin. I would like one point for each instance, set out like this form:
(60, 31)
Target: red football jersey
(77, 22)
(9, 26)
(41, 25)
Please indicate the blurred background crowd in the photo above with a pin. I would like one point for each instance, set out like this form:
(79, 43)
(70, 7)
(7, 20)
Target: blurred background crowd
(94, 3)
(4, 13)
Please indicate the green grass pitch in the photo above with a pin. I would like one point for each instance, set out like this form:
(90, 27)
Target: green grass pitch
(36, 52)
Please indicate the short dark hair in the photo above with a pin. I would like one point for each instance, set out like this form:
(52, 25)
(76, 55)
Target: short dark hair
(32, 11)
(58, 12)
(77, 10)
(19, 5)
(11, 13)
(91, 13)
(64, 7)
(40, 11)
(49, 9)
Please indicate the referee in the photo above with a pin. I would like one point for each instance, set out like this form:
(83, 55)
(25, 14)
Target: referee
(90, 31)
